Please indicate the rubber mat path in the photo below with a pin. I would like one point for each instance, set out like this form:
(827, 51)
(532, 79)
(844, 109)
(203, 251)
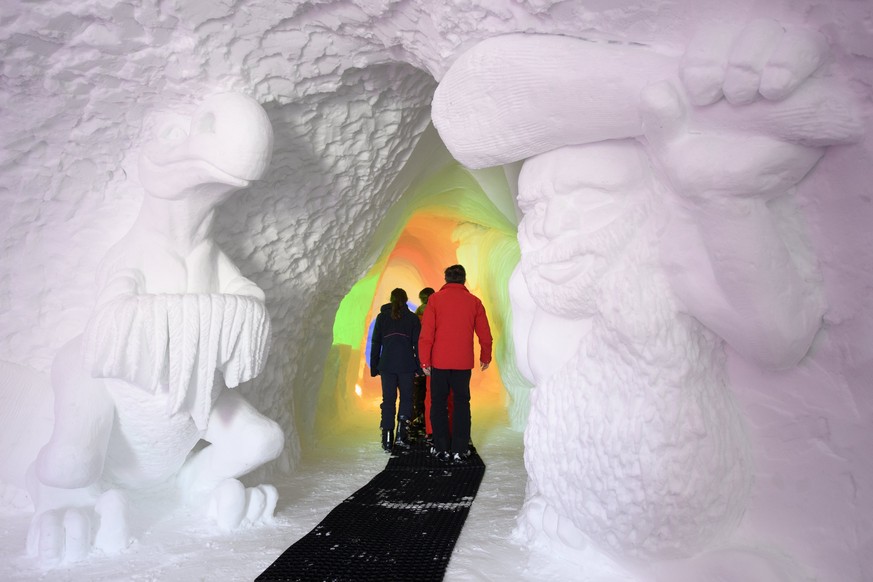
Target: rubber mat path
(402, 525)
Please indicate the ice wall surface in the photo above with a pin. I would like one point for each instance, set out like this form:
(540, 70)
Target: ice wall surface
(347, 86)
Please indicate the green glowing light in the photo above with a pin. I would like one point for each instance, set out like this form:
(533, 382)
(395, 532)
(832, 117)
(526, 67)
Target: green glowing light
(351, 317)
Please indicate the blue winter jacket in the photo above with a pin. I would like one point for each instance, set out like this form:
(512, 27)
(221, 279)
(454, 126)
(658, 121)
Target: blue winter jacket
(394, 347)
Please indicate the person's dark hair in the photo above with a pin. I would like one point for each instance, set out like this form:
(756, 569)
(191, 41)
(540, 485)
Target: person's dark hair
(456, 274)
(398, 302)
(425, 294)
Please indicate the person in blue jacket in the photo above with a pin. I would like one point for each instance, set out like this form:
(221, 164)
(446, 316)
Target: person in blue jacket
(394, 357)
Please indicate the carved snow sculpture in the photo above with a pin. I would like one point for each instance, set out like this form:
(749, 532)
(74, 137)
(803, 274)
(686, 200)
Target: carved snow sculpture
(647, 454)
(640, 257)
(175, 325)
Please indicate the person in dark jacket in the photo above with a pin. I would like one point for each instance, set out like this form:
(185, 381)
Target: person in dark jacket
(421, 384)
(394, 356)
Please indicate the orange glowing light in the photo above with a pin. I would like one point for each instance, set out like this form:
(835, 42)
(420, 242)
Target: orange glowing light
(452, 220)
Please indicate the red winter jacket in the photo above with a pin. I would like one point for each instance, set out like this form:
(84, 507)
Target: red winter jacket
(451, 317)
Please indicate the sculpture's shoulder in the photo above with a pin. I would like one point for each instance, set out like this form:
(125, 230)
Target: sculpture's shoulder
(147, 254)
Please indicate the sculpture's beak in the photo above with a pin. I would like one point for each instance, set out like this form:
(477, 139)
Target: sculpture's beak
(230, 134)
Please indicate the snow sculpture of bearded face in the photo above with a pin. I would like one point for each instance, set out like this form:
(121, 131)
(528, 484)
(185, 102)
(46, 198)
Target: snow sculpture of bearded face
(575, 225)
(646, 454)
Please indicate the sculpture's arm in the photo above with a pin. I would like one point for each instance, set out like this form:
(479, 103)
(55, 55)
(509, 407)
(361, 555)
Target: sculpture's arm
(726, 253)
(511, 97)
(121, 283)
(514, 96)
(232, 281)
(247, 360)
(731, 269)
(177, 340)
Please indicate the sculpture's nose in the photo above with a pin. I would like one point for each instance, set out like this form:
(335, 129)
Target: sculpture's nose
(560, 216)
(583, 210)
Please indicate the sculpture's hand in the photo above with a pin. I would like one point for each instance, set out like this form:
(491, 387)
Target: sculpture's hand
(245, 338)
(744, 145)
(126, 338)
(179, 341)
(726, 259)
(800, 104)
(764, 59)
(704, 162)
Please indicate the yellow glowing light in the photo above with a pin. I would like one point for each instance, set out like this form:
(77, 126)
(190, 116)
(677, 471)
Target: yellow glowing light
(358, 390)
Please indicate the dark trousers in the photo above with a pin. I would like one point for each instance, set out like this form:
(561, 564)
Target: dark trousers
(458, 382)
(390, 384)
(419, 390)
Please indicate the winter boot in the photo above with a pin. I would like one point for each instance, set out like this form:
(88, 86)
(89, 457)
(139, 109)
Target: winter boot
(403, 433)
(387, 439)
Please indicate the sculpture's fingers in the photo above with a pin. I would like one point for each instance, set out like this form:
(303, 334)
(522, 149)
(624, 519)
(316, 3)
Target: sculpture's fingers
(190, 345)
(227, 505)
(77, 534)
(113, 534)
(662, 111)
(256, 502)
(33, 536)
(799, 53)
(159, 337)
(750, 53)
(175, 349)
(264, 338)
(271, 496)
(135, 346)
(704, 64)
(50, 536)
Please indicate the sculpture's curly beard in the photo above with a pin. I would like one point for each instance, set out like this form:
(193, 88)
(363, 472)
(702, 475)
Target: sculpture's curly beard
(647, 463)
(562, 275)
(636, 440)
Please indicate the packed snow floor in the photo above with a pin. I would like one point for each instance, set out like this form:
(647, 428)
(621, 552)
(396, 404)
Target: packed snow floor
(174, 548)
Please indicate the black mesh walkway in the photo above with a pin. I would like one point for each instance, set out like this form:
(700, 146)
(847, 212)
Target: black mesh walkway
(402, 525)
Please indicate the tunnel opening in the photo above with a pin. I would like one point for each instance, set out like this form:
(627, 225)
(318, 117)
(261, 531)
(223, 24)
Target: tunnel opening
(453, 216)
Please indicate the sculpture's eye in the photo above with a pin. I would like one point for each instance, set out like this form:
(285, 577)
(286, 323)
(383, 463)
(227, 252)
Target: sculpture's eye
(203, 124)
(525, 205)
(532, 199)
(586, 210)
(171, 133)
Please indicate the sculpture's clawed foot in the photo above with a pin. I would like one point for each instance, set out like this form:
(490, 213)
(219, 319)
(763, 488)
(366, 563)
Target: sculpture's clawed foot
(68, 534)
(233, 505)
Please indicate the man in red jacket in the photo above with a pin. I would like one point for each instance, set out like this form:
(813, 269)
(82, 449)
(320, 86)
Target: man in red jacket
(445, 348)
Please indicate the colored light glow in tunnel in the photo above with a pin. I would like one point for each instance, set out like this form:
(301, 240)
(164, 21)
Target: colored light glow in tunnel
(450, 220)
